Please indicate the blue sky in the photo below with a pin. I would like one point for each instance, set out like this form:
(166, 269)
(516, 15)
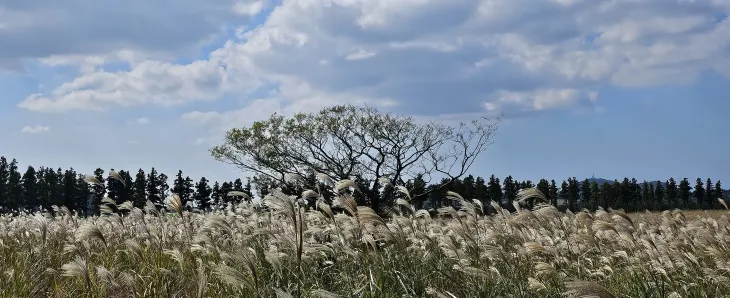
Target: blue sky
(606, 88)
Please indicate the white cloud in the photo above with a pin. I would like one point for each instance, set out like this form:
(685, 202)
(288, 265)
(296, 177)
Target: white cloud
(35, 129)
(248, 8)
(432, 57)
(46, 28)
(360, 55)
(143, 120)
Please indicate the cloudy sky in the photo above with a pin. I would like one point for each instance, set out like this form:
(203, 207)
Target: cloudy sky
(607, 87)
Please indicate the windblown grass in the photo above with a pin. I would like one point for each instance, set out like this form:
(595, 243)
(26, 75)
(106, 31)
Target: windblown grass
(290, 252)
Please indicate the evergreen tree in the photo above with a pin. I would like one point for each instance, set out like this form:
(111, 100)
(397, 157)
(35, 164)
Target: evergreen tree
(189, 190)
(718, 191)
(30, 190)
(573, 193)
(156, 187)
(226, 187)
(617, 194)
(645, 195)
(238, 185)
(468, 188)
(672, 192)
(651, 201)
(139, 189)
(113, 187)
(510, 192)
(124, 190)
(699, 193)
(82, 197)
(586, 195)
(659, 196)
(41, 188)
(249, 191)
(544, 187)
(15, 187)
(553, 193)
(70, 190)
(202, 194)
(684, 192)
(495, 190)
(99, 190)
(564, 194)
(607, 194)
(595, 195)
(4, 177)
(710, 199)
(480, 189)
(215, 194)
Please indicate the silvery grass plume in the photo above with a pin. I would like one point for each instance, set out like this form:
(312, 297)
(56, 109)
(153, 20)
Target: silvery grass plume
(345, 184)
(77, 269)
(114, 175)
(586, 289)
(175, 204)
(236, 193)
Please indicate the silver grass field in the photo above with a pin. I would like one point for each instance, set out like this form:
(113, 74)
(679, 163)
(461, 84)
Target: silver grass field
(288, 251)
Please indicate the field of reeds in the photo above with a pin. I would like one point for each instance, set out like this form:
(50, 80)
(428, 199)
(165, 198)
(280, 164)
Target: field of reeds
(288, 251)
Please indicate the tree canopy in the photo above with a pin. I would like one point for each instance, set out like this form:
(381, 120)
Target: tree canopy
(376, 150)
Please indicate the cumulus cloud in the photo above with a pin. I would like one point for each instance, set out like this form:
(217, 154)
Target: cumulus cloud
(35, 129)
(45, 28)
(143, 120)
(425, 57)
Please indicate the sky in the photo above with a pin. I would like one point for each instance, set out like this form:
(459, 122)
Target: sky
(604, 88)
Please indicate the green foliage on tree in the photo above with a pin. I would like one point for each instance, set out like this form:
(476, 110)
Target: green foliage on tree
(202, 194)
(139, 189)
(699, 193)
(360, 143)
(684, 191)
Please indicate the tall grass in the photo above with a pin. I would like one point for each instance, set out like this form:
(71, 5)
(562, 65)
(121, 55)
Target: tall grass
(292, 252)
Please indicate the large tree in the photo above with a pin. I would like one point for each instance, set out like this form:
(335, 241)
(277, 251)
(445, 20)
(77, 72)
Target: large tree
(360, 143)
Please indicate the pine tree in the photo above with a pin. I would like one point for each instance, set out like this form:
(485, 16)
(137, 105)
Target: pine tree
(4, 177)
(645, 195)
(480, 192)
(718, 191)
(585, 194)
(41, 188)
(573, 193)
(607, 195)
(238, 185)
(202, 194)
(215, 194)
(672, 193)
(99, 190)
(157, 188)
(70, 190)
(659, 196)
(510, 192)
(544, 187)
(126, 189)
(699, 193)
(495, 190)
(15, 187)
(684, 192)
(139, 189)
(710, 199)
(651, 201)
(553, 193)
(226, 187)
(468, 185)
(564, 194)
(113, 187)
(595, 195)
(189, 190)
(83, 196)
(30, 190)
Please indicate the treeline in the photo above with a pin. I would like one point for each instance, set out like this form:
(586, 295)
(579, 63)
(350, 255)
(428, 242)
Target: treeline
(627, 194)
(40, 188)
(43, 187)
